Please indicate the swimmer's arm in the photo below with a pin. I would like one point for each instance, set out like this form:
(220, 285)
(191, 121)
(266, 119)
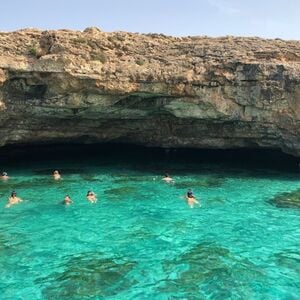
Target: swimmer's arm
(197, 202)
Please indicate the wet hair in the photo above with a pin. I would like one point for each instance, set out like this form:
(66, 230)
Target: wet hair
(4, 174)
(189, 192)
(166, 175)
(88, 193)
(13, 193)
(55, 172)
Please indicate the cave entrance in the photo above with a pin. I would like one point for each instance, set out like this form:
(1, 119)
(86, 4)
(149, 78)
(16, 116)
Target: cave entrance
(245, 157)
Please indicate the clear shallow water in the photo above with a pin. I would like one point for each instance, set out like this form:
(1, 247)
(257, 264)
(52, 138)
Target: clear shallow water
(141, 240)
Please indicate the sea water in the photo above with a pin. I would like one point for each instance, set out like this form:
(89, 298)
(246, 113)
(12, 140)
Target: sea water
(141, 240)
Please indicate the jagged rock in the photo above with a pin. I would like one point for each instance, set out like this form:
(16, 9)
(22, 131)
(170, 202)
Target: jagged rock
(153, 90)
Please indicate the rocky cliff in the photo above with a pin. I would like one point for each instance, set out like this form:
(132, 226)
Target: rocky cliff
(153, 90)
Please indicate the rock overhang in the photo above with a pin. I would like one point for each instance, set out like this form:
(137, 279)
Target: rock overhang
(154, 90)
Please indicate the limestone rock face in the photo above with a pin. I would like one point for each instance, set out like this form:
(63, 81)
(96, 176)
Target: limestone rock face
(153, 90)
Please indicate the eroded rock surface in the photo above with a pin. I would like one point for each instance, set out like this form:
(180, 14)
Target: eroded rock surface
(153, 90)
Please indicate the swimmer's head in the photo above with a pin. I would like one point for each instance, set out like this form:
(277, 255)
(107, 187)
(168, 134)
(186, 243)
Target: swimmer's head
(189, 192)
(88, 193)
(4, 174)
(13, 194)
(55, 172)
(167, 175)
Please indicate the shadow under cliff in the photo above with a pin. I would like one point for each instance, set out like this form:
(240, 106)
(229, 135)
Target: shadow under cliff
(240, 158)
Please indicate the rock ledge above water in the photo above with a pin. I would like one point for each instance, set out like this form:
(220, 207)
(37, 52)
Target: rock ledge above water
(149, 89)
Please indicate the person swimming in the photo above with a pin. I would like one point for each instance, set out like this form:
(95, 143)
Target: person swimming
(56, 175)
(167, 178)
(91, 196)
(191, 199)
(4, 176)
(13, 199)
(67, 200)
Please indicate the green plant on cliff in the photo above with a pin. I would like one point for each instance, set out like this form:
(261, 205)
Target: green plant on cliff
(80, 40)
(120, 38)
(140, 62)
(100, 56)
(93, 44)
(33, 50)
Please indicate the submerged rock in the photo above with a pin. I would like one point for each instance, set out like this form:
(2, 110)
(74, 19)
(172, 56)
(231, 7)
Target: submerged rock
(140, 234)
(215, 201)
(19, 185)
(149, 89)
(287, 200)
(12, 244)
(121, 191)
(89, 275)
(289, 259)
(208, 182)
(212, 270)
(89, 177)
(127, 179)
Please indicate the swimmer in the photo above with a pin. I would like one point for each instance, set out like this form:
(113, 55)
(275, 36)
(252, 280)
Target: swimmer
(91, 196)
(167, 178)
(56, 175)
(67, 200)
(4, 176)
(190, 199)
(13, 199)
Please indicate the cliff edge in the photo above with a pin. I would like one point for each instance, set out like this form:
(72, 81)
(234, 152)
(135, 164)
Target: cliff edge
(149, 89)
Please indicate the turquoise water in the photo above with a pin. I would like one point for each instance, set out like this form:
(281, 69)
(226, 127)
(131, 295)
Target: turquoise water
(141, 240)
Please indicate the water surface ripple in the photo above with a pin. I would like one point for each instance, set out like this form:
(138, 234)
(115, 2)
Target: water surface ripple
(141, 240)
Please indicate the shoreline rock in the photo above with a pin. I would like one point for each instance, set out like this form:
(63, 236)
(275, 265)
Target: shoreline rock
(149, 89)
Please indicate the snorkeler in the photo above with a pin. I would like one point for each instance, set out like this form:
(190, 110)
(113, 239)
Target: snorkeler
(67, 200)
(167, 178)
(91, 196)
(56, 175)
(191, 199)
(4, 176)
(13, 199)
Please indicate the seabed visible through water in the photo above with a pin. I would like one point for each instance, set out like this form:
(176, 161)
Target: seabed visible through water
(141, 240)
